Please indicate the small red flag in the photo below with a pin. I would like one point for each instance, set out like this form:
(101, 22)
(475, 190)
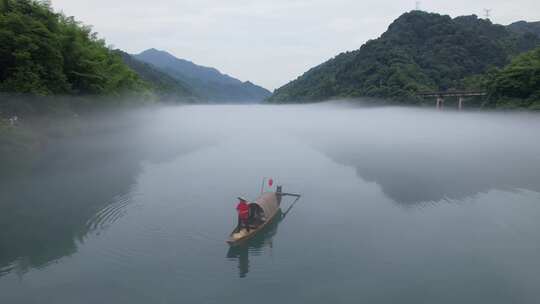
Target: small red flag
(270, 182)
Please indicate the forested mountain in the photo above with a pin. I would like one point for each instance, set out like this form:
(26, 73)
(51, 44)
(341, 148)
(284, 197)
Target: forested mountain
(206, 82)
(162, 84)
(420, 51)
(46, 53)
(523, 27)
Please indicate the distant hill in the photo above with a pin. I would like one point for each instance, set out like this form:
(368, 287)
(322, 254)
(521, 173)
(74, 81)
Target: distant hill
(420, 51)
(206, 82)
(162, 84)
(523, 27)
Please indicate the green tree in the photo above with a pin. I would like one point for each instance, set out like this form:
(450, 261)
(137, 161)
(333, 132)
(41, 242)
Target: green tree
(517, 84)
(44, 53)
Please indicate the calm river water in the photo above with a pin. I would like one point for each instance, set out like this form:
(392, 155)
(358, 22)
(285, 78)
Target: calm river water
(399, 206)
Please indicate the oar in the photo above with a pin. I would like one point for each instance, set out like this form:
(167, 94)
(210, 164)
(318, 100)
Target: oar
(292, 205)
(291, 194)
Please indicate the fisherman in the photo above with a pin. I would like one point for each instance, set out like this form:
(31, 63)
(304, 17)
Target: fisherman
(243, 214)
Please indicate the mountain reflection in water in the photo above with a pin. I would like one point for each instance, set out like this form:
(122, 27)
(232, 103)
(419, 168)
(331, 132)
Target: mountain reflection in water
(410, 178)
(457, 157)
(79, 185)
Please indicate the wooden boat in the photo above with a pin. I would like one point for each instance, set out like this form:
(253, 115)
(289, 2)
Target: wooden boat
(268, 207)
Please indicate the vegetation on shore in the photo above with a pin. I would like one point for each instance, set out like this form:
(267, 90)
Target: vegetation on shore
(517, 85)
(419, 52)
(47, 53)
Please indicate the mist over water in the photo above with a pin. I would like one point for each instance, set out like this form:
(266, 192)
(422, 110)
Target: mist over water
(398, 203)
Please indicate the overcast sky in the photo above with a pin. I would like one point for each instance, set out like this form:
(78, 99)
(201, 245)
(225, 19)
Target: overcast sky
(267, 42)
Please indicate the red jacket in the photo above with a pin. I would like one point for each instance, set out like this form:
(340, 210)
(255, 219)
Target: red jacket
(243, 210)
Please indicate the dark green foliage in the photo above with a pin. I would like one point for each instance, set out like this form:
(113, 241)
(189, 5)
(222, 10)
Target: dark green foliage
(419, 52)
(163, 85)
(45, 53)
(4, 6)
(518, 84)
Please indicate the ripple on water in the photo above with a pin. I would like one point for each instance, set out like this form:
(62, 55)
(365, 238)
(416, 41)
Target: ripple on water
(7, 269)
(109, 215)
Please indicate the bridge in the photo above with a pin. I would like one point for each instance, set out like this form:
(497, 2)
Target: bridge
(459, 94)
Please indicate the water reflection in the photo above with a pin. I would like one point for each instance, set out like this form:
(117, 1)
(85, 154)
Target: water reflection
(409, 176)
(418, 156)
(45, 214)
(254, 247)
(80, 185)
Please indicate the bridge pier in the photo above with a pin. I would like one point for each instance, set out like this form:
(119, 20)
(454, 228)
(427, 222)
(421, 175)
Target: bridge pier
(440, 102)
(461, 95)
